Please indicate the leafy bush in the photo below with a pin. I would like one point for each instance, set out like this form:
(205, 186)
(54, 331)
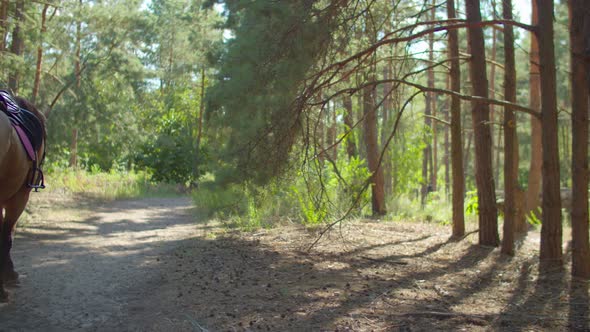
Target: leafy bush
(170, 157)
(217, 202)
(471, 203)
(330, 190)
(304, 197)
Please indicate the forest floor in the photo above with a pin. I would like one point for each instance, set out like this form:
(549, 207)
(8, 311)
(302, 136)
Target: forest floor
(148, 265)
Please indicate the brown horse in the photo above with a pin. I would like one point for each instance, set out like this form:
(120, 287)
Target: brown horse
(17, 173)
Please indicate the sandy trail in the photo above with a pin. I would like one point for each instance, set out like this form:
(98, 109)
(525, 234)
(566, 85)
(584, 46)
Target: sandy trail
(91, 270)
(148, 265)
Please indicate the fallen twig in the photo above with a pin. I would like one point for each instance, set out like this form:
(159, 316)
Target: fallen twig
(384, 260)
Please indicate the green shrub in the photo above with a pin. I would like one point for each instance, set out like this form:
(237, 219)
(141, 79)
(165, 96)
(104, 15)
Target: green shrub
(315, 194)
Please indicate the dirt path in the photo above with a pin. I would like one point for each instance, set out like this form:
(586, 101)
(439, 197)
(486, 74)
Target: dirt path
(148, 265)
(86, 271)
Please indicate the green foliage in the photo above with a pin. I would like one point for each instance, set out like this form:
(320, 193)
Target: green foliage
(243, 206)
(532, 218)
(406, 154)
(136, 63)
(136, 102)
(329, 191)
(261, 73)
(171, 156)
(407, 207)
(471, 203)
(222, 203)
(307, 197)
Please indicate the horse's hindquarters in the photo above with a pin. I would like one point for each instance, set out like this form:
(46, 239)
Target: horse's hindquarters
(5, 136)
(14, 163)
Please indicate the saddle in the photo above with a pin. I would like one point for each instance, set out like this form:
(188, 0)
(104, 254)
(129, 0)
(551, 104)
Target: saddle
(30, 132)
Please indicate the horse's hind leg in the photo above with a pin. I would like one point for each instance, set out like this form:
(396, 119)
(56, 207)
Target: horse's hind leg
(9, 275)
(13, 209)
(3, 294)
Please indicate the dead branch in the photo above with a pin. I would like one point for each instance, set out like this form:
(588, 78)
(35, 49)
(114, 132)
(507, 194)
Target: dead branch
(384, 260)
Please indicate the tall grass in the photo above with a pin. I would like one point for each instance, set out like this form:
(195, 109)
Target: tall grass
(313, 196)
(106, 185)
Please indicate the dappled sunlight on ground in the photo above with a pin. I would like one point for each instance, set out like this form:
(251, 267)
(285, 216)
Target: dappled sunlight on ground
(148, 265)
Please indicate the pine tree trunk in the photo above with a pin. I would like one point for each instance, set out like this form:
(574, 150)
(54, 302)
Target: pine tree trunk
(333, 134)
(579, 11)
(434, 160)
(447, 147)
(77, 60)
(493, 116)
(484, 176)
(3, 23)
(426, 152)
(78, 75)
(510, 138)
(533, 200)
(38, 67)
(329, 132)
(362, 143)
(197, 146)
(456, 137)
(467, 154)
(387, 109)
(551, 230)
(377, 188)
(18, 45)
(349, 123)
(320, 133)
(74, 149)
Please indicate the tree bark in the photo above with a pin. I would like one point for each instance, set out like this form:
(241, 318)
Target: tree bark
(579, 12)
(493, 115)
(77, 60)
(199, 125)
(74, 149)
(333, 133)
(533, 200)
(377, 188)
(331, 144)
(447, 145)
(432, 98)
(38, 67)
(510, 138)
(427, 152)
(3, 23)
(348, 123)
(17, 46)
(456, 137)
(78, 75)
(484, 177)
(387, 110)
(551, 230)
(320, 134)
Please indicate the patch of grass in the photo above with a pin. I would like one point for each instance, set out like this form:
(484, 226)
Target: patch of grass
(238, 207)
(107, 185)
(436, 209)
